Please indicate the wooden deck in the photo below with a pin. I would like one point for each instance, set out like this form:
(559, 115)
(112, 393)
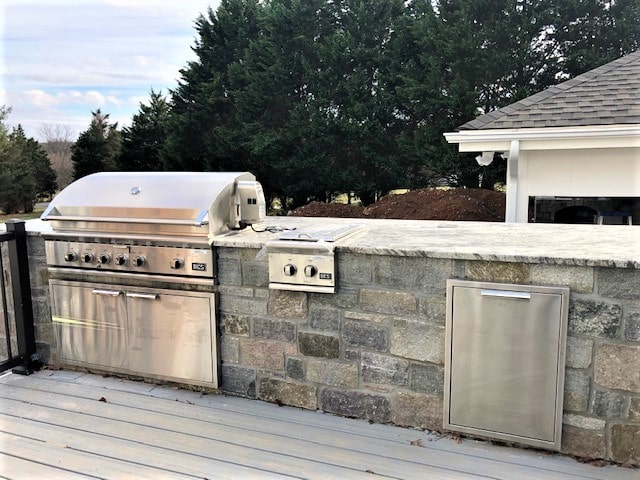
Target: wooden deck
(59, 424)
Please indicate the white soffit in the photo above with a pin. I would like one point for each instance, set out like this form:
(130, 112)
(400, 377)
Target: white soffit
(550, 138)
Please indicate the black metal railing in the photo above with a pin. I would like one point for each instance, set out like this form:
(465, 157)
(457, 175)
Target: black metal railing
(16, 310)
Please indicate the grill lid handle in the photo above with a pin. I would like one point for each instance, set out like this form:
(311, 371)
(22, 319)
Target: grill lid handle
(200, 221)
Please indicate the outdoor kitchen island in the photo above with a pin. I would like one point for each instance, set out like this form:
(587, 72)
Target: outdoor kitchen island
(375, 348)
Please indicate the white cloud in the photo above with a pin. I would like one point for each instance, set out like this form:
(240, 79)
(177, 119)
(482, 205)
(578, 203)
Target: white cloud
(62, 59)
(142, 61)
(39, 98)
(93, 97)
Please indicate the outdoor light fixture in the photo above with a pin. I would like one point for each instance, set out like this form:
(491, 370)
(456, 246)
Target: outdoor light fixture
(485, 159)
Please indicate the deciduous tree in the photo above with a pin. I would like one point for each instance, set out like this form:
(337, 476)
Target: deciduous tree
(58, 142)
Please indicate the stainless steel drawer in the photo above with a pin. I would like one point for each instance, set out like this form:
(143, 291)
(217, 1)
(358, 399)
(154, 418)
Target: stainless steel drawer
(504, 364)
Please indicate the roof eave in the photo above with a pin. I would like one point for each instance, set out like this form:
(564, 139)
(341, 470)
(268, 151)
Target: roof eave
(549, 138)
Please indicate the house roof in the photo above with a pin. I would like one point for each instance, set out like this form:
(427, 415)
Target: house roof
(607, 95)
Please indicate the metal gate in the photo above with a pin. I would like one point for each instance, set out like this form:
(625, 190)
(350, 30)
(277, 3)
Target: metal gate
(17, 338)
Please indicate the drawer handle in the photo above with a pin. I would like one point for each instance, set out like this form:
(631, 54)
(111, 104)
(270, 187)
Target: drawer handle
(109, 293)
(505, 294)
(145, 296)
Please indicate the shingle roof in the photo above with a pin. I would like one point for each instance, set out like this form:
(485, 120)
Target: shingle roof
(607, 95)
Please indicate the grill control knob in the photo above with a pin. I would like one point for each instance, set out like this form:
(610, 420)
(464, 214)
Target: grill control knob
(104, 258)
(290, 270)
(87, 257)
(120, 259)
(310, 271)
(177, 263)
(139, 261)
(70, 256)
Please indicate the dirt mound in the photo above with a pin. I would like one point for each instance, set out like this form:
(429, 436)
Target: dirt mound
(426, 204)
(321, 209)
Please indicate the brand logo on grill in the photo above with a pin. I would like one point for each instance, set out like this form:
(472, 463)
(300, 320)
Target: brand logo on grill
(199, 267)
(135, 191)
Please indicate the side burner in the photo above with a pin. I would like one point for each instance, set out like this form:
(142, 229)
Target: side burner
(304, 260)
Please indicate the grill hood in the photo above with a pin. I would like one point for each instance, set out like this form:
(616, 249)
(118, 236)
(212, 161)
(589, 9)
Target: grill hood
(191, 204)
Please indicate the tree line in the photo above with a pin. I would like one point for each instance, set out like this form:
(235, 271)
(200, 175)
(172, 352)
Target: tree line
(25, 169)
(319, 97)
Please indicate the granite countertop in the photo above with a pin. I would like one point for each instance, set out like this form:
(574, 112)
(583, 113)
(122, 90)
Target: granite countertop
(585, 245)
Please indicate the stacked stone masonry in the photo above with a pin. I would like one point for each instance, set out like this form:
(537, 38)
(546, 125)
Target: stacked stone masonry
(375, 349)
(10, 333)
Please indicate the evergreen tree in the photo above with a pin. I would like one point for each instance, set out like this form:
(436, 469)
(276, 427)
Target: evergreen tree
(271, 88)
(202, 101)
(10, 168)
(144, 140)
(475, 56)
(37, 166)
(97, 148)
(320, 97)
(25, 171)
(589, 33)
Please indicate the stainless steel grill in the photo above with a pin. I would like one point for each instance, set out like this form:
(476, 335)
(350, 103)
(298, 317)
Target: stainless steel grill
(132, 269)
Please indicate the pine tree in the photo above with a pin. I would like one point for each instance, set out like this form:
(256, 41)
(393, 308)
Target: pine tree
(590, 33)
(318, 97)
(97, 148)
(202, 103)
(143, 141)
(25, 171)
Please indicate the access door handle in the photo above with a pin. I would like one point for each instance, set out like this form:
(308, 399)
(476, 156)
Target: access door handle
(505, 294)
(145, 296)
(109, 293)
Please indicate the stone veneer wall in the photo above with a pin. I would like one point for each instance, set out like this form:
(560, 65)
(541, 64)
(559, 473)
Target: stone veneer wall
(375, 349)
(45, 338)
(5, 334)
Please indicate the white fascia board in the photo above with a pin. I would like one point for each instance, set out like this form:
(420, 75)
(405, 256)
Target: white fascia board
(550, 138)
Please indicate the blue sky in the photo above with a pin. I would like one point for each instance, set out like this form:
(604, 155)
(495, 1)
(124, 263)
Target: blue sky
(62, 59)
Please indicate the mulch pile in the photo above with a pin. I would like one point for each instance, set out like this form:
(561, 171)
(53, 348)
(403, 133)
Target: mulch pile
(469, 204)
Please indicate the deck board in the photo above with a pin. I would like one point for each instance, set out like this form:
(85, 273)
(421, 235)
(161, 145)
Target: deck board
(148, 431)
(209, 423)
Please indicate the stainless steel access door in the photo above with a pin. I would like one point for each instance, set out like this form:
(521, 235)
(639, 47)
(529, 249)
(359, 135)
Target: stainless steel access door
(90, 323)
(160, 333)
(504, 366)
(172, 334)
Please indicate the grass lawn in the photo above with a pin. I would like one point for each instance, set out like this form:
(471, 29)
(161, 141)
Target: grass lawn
(22, 216)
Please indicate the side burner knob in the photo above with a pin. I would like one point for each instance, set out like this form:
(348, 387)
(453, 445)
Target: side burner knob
(310, 271)
(70, 256)
(104, 258)
(120, 259)
(139, 261)
(290, 270)
(87, 257)
(177, 263)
